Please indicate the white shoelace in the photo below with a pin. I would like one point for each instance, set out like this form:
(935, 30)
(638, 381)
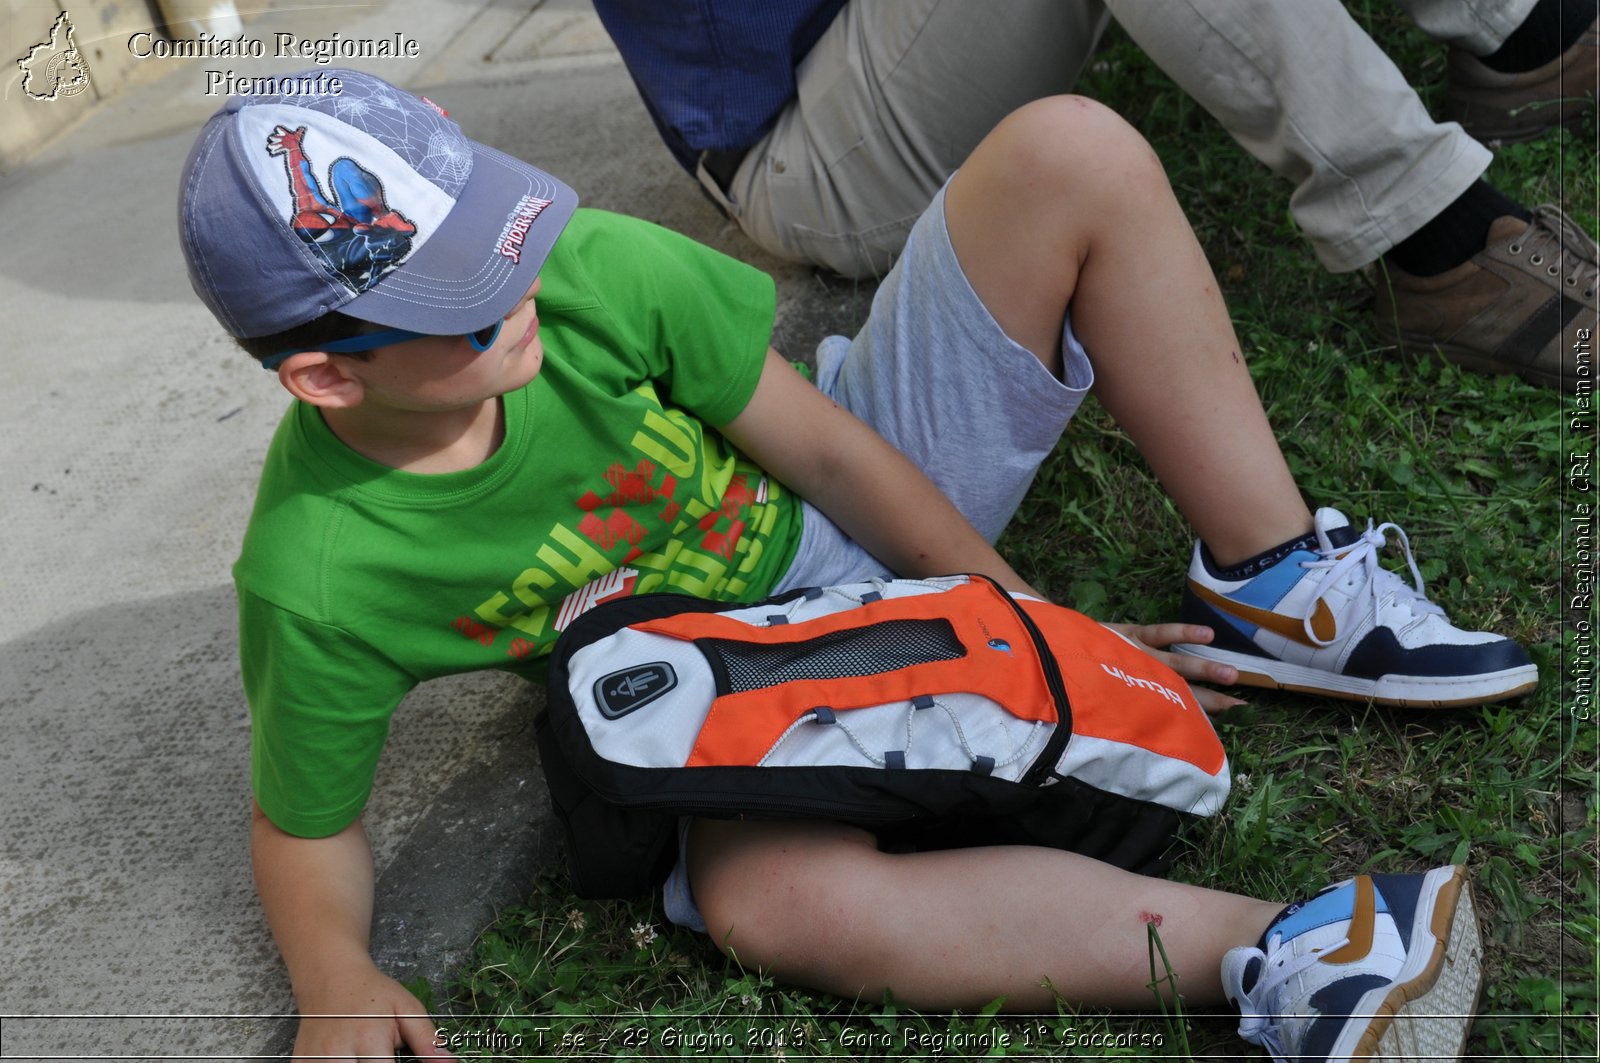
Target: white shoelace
(1363, 553)
(1261, 1013)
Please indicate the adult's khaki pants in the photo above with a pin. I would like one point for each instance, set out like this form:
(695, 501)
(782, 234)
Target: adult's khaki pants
(898, 92)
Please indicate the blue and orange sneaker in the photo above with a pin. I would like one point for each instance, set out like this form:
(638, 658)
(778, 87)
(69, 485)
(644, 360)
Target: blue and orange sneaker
(1377, 967)
(1326, 618)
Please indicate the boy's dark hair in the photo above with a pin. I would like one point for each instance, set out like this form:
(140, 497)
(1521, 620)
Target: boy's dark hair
(309, 336)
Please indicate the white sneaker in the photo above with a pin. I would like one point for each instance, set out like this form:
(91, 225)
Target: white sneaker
(1377, 967)
(1331, 620)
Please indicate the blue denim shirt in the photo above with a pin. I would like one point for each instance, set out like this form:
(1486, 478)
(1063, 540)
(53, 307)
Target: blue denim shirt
(714, 73)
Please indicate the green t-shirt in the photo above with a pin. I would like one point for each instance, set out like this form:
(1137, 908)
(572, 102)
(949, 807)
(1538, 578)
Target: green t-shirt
(358, 581)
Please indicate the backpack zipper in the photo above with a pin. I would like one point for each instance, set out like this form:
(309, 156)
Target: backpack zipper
(1044, 765)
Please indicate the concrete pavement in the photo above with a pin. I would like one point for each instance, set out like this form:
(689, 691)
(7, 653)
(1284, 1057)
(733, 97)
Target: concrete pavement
(133, 430)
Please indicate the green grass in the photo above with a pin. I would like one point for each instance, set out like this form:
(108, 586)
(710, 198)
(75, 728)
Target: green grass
(1478, 472)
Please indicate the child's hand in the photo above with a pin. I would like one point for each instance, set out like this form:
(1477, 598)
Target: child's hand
(1152, 638)
(369, 1016)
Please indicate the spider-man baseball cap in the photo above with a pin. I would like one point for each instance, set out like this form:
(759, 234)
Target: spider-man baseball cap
(369, 201)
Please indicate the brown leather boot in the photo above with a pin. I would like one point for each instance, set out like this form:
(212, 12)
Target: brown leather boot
(1525, 304)
(1512, 107)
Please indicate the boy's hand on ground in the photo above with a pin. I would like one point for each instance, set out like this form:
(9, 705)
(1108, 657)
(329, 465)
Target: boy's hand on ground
(369, 1016)
(1154, 638)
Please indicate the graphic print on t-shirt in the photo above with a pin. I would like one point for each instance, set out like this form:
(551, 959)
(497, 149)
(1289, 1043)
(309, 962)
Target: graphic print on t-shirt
(680, 511)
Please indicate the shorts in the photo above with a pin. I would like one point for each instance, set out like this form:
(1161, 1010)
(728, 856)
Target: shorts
(934, 374)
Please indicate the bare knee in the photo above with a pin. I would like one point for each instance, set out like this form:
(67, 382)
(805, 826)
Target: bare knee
(786, 898)
(1069, 144)
(1053, 182)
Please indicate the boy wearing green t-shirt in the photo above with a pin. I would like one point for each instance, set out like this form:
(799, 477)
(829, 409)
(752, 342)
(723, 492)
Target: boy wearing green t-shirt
(508, 409)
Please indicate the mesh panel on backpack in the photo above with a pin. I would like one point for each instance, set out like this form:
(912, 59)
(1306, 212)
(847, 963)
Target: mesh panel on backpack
(872, 650)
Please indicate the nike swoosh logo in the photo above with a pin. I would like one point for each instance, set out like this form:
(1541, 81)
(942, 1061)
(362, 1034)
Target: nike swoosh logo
(1362, 922)
(1322, 623)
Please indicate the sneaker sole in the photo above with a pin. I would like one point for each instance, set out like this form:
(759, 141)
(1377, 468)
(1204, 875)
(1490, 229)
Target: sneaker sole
(1428, 1012)
(1429, 692)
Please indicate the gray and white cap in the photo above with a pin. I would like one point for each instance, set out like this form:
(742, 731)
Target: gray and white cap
(370, 201)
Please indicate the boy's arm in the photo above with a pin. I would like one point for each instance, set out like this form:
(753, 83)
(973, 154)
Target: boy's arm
(317, 894)
(884, 502)
(868, 488)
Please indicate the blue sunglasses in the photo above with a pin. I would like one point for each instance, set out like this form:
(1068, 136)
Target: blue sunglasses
(481, 340)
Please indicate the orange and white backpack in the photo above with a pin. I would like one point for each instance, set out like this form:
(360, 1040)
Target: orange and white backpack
(938, 713)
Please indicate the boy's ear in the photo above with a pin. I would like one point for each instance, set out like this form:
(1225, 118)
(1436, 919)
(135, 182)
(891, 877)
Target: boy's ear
(320, 379)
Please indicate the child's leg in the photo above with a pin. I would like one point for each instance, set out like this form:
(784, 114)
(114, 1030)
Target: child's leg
(1065, 205)
(820, 905)
(1386, 966)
